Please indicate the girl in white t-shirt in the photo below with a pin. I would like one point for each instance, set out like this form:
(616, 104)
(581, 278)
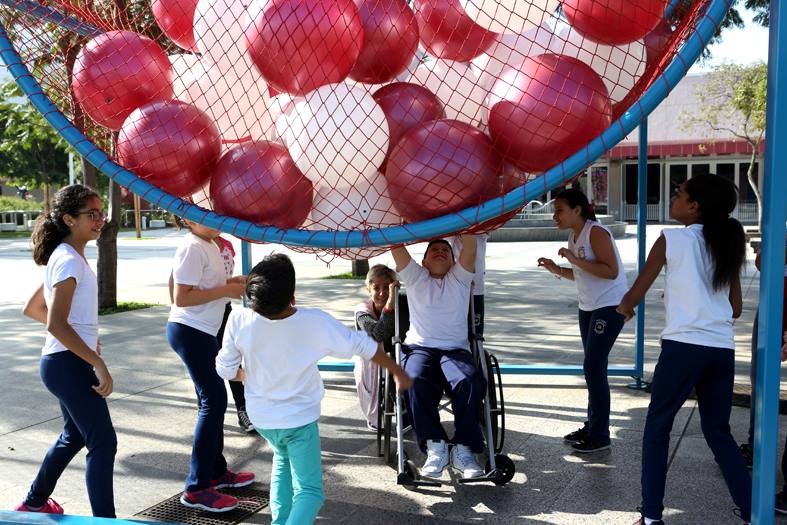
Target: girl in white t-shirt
(200, 294)
(71, 365)
(702, 297)
(598, 272)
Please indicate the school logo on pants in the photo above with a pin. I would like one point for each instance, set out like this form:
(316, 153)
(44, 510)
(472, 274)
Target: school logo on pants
(600, 327)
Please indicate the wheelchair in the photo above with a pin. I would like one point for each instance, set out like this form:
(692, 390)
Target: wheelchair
(393, 418)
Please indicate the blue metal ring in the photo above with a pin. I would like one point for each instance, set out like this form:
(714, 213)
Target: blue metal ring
(409, 233)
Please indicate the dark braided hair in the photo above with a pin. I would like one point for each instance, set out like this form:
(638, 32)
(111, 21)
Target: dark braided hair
(724, 236)
(50, 229)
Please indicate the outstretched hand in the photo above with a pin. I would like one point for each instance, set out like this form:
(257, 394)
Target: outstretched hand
(549, 264)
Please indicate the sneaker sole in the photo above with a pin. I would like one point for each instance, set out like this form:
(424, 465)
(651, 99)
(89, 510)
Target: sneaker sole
(599, 449)
(781, 511)
(200, 506)
(462, 474)
(438, 475)
(233, 485)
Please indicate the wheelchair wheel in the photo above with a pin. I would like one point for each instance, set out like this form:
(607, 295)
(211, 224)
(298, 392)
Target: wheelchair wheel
(387, 407)
(496, 403)
(505, 466)
(380, 411)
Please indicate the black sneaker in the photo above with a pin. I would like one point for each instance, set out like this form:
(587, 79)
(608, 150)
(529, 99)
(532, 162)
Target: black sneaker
(781, 503)
(245, 423)
(748, 454)
(576, 436)
(586, 446)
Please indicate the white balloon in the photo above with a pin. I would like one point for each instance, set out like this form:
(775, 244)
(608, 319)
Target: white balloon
(186, 69)
(202, 197)
(458, 88)
(336, 134)
(366, 205)
(510, 49)
(219, 27)
(619, 66)
(238, 106)
(509, 16)
(281, 104)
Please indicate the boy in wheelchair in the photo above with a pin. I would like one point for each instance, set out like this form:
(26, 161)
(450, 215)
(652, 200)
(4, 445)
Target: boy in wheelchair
(436, 354)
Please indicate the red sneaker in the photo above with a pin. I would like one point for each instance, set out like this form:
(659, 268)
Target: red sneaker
(233, 480)
(209, 500)
(50, 507)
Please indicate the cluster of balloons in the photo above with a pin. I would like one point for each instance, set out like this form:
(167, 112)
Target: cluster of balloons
(349, 114)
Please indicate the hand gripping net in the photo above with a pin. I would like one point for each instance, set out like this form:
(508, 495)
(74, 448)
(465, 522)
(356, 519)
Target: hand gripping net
(324, 124)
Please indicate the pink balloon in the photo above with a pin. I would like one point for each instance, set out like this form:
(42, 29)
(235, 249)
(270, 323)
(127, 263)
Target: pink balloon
(176, 19)
(442, 167)
(656, 41)
(447, 32)
(545, 109)
(259, 182)
(406, 105)
(117, 72)
(614, 22)
(300, 45)
(391, 39)
(171, 144)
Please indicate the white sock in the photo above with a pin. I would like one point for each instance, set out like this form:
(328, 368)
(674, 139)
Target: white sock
(649, 521)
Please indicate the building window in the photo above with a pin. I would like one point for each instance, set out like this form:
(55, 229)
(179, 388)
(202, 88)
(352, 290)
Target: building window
(654, 183)
(599, 187)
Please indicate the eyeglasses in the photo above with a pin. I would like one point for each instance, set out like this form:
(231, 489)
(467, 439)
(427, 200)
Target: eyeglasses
(95, 215)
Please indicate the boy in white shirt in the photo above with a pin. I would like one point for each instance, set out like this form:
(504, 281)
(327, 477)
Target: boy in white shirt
(437, 352)
(280, 346)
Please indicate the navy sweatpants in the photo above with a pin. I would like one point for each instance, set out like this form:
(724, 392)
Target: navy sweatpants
(87, 424)
(198, 351)
(599, 329)
(710, 371)
(432, 369)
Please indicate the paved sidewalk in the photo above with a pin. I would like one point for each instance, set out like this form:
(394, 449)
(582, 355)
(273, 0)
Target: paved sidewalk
(531, 319)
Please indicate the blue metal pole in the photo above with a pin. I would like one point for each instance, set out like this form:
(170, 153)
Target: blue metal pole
(766, 430)
(245, 261)
(642, 222)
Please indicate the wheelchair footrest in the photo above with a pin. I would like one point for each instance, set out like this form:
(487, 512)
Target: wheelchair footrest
(408, 481)
(495, 476)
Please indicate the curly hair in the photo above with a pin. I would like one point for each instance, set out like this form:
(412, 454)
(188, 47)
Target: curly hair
(50, 229)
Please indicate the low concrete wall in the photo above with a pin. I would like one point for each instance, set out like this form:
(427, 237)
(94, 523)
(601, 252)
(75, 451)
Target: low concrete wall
(543, 229)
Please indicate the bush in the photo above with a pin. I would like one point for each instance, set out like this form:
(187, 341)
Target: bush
(17, 204)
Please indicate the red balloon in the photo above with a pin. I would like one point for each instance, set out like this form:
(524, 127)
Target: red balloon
(390, 41)
(442, 167)
(656, 42)
(406, 105)
(171, 144)
(545, 109)
(614, 22)
(447, 32)
(117, 72)
(258, 181)
(176, 19)
(300, 45)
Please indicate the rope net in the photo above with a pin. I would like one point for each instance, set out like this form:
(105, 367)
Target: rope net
(346, 114)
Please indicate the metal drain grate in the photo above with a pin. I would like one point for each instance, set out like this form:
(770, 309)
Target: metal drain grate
(252, 500)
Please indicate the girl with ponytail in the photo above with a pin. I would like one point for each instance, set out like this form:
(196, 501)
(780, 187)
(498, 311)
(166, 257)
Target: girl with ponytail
(702, 297)
(71, 365)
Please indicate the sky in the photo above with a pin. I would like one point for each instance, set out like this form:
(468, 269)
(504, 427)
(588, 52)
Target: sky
(739, 46)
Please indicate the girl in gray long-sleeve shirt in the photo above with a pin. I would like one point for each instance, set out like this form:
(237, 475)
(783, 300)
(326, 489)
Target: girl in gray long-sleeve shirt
(375, 316)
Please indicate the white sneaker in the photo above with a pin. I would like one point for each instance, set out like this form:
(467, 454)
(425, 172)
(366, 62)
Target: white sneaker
(436, 459)
(463, 461)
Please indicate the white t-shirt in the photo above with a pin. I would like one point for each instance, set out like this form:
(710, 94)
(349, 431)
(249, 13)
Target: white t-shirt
(438, 307)
(695, 312)
(283, 385)
(480, 259)
(596, 292)
(199, 263)
(66, 263)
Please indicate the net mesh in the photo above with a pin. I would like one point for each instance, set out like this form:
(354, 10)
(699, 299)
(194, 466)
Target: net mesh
(346, 114)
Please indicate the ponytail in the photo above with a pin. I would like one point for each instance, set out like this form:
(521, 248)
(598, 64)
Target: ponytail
(724, 235)
(574, 198)
(50, 229)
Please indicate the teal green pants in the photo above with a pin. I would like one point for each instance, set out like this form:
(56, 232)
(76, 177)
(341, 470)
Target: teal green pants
(296, 477)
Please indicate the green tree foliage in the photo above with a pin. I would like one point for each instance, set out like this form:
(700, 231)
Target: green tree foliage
(32, 153)
(732, 100)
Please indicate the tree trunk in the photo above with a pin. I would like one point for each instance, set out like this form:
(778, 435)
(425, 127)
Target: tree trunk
(47, 196)
(754, 185)
(107, 251)
(360, 268)
(91, 174)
